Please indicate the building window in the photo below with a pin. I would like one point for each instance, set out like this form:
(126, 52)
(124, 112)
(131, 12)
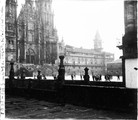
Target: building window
(9, 41)
(82, 59)
(10, 10)
(32, 59)
(27, 58)
(79, 60)
(95, 61)
(30, 56)
(85, 60)
(12, 42)
(10, 26)
(29, 37)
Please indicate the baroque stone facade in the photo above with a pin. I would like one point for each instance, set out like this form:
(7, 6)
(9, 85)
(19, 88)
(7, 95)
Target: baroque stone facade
(37, 37)
(76, 59)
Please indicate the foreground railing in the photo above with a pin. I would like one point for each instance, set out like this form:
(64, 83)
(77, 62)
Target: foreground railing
(57, 82)
(99, 94)
(52, 84)
(31, 84)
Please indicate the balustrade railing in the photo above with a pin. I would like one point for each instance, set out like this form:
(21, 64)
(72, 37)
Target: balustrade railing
(58, 81)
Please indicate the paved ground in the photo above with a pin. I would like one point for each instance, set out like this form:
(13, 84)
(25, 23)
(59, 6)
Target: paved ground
(68, 77)
(21, 108)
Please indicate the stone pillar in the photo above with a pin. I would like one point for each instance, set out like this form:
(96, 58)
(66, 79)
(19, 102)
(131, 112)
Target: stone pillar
(23, 77)
(61, 71)
(11, 76)
(86, 76)
(60, 82)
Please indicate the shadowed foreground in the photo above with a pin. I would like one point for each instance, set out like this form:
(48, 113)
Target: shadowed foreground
(18, 107)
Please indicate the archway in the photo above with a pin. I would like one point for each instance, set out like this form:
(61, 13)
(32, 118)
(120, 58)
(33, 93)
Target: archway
(30, 56)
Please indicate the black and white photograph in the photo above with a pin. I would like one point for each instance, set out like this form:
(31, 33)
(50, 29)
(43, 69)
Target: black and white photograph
(68, 59)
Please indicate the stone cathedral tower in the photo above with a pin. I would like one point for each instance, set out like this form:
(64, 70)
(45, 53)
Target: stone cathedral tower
(10, 30)
(10, 33)
(97, 42)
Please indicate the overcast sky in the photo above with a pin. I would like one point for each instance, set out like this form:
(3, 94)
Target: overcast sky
(78, 20)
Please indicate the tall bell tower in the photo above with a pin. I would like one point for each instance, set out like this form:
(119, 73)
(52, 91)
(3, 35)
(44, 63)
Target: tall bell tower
(97, 42)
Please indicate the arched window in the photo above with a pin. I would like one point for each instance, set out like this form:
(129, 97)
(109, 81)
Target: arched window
(30, 56)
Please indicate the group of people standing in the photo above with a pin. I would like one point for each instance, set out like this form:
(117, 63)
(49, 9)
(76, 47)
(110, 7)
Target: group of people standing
(107, 77)
(43, 76)
(97, 77)
(73, 76)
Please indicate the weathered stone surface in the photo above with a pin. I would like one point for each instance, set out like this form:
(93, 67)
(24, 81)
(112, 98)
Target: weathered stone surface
(21, 108)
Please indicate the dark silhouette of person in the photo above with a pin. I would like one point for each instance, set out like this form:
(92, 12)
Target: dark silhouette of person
(55, 77)
(81, 76)
(44, 77)
(72, 76)
(135, 68)
(118, 77)
(93, 77)
(39, 77)
(105, 77)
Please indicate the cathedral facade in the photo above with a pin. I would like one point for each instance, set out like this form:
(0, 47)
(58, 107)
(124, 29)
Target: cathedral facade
(31, 38)
(37, 37)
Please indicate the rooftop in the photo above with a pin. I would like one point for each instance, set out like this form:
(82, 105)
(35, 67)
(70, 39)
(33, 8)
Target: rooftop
(70, 48)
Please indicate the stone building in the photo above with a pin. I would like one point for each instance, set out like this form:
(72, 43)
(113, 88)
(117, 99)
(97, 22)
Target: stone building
(97, 42)
(115, 67)
(37, 37)
(31, 38)
(76, 59)
(129, 45)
